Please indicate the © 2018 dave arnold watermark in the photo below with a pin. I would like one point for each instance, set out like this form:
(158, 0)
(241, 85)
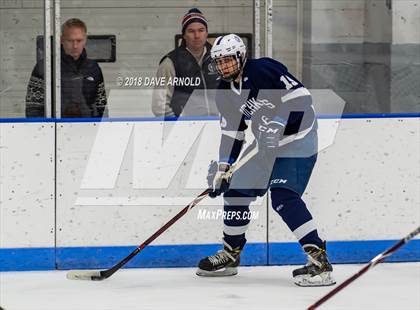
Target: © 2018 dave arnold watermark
(148, 81)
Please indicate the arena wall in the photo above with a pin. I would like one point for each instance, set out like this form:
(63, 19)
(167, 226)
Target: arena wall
(83, 194)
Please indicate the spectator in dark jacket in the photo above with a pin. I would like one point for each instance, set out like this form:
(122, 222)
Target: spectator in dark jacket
(190, 60)
(82, 83)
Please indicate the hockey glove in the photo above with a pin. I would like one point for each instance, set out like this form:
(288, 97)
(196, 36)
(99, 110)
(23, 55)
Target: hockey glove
(270, 132)
(218, 178)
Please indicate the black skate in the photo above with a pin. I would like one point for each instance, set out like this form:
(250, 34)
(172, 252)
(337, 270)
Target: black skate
(223, 263)
(317, 272)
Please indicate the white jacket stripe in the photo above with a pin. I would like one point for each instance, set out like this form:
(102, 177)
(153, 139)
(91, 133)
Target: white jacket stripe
(300, 92)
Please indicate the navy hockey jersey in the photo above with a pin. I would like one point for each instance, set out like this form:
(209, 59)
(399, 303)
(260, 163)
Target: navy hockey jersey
(266, 93)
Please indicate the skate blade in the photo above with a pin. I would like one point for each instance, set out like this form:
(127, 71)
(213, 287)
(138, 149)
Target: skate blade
(323, 279)
(226, 272)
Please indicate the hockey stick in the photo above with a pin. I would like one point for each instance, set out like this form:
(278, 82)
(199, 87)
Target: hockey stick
(376, 260)
(98, 275)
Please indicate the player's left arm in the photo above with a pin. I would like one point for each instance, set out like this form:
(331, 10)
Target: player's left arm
(294, 116)
(296, 107)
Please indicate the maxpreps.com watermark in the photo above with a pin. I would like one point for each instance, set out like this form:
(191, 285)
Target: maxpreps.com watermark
(130, 81)
(204, 214)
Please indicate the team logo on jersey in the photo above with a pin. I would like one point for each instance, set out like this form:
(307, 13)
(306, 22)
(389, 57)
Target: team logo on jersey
(253, 105)
(270, 126)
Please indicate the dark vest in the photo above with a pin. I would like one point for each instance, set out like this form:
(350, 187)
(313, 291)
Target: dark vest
(186, 66)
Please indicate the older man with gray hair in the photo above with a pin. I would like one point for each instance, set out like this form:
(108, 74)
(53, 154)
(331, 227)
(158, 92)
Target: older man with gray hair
(82, 83)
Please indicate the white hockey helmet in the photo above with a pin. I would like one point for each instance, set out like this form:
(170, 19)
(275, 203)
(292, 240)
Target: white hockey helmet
(229, 45)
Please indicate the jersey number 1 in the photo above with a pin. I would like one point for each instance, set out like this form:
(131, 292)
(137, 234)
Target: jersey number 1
(288, 82)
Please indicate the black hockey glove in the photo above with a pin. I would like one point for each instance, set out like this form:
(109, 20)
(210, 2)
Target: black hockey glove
(218, 178)
(270, 132)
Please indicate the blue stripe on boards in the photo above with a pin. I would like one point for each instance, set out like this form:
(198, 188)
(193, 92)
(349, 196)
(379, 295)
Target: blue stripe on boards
(288, 253)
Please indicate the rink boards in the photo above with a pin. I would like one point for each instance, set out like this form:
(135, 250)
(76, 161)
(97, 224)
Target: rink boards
(84, 194)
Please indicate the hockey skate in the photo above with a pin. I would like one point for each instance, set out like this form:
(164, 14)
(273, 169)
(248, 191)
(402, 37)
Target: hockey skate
(317, 272)
(224, 263)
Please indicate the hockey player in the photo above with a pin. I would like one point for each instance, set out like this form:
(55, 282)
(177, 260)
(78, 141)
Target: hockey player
(263, 94)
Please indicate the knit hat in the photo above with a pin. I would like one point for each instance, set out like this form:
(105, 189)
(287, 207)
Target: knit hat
(194, 15)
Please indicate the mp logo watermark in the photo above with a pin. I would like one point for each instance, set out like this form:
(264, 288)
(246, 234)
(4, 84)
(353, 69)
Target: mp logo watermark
(161, 162)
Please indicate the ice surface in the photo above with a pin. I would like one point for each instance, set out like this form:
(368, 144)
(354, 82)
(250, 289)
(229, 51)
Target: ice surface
(387, 286)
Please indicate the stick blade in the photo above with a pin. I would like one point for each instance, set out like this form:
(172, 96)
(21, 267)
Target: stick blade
(90, 275)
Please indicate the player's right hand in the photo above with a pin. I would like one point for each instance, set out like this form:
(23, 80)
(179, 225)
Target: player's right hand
(218, 178)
